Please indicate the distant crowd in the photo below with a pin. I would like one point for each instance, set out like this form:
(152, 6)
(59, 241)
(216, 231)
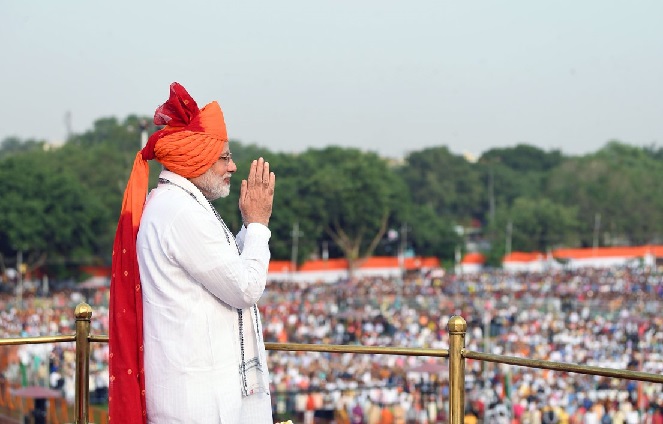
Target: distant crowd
(609, 318)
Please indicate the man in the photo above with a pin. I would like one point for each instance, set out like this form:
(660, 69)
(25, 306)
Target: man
(185, 335)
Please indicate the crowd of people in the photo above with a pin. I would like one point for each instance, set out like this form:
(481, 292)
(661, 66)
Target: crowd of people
(607, 318)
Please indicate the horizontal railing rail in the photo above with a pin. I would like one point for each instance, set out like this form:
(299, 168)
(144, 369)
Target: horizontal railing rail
(564, 366)
(38, 340)
(378, 350)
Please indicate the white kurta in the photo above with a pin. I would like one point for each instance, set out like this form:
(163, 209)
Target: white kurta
(193, 282)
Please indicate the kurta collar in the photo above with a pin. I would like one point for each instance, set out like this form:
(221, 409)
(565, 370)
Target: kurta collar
(187, 185)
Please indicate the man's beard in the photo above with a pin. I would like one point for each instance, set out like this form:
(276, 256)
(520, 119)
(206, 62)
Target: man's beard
(213, 186)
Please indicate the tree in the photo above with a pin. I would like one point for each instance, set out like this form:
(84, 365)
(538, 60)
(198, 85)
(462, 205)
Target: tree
(432, 235)
(446, 182)
(292, 209)
(509, 173)
(47, 214)
(352, 195)
(620, 183)
(14, 145)
(523, 158)
(534, 225)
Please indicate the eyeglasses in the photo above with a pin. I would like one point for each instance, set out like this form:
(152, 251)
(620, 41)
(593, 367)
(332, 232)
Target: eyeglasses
(227, 157)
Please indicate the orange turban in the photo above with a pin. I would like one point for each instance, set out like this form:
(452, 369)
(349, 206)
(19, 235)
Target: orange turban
(189, 144)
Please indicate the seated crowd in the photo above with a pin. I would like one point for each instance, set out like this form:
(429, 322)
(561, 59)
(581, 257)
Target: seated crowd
(607, 318)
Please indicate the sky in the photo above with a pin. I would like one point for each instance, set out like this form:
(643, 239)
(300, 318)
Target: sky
(386, 76)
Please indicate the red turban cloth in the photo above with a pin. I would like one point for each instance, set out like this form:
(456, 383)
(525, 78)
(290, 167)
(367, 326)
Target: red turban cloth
(189, 144)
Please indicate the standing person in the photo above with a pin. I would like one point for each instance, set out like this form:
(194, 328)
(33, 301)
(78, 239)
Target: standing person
(185, 333)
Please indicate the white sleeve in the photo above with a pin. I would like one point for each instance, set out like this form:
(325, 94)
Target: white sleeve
(239, 238)
(199, 245)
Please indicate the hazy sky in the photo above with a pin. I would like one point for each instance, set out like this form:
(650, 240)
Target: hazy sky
(384, 76)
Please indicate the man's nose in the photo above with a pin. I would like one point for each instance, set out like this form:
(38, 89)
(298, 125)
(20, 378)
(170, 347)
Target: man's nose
(232, 166)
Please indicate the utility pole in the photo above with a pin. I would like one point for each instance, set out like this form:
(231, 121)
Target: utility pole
(509, 231)
(487, 318)
(67, 124)
(457, 265)
(401, 256)
(295, 244)
(45, 287)
(597, 228)
(19, 281)
(325, 250)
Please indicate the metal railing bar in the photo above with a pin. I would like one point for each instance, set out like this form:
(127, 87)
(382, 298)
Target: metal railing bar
(562, 366)
(439, 353)
(301, 347)
(37, 340)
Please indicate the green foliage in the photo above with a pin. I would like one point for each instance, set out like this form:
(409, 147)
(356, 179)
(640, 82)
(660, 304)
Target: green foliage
(61, 206)
(431, 234)
(350, 194)
(448, 183)
(46, 213)
(535, 225)
(292, 205)
(523, 158)
(14, 145)
(509, 173)
(619, 183)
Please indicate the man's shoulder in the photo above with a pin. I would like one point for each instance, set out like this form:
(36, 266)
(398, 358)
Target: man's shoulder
(167, 200)
(165, 206)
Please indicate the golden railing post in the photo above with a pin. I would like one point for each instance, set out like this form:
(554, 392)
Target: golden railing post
(457, 328)
(83, 315)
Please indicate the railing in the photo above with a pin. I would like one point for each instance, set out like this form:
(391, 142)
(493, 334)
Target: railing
(456, 353)
(82, 338)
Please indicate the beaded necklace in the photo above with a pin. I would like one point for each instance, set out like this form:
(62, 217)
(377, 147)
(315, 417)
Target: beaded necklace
(240, 317)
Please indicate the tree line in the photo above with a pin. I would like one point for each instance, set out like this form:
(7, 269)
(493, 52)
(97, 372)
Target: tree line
(59, 206)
